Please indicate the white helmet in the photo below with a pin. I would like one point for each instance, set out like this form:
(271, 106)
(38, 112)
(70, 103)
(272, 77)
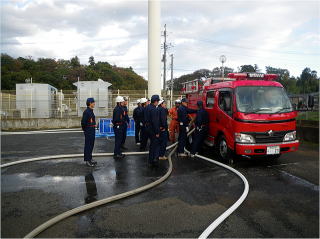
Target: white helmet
(138, 101)
(143, 100)
(161, 101)
(178, 101)
(119, 99)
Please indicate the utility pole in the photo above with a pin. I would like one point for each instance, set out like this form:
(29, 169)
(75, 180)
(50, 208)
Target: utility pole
(78, 96)
(164, 56)
(171, 98)
(61, 103)
(31, 99)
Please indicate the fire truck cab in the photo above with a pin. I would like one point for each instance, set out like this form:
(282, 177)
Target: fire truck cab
(250, 114)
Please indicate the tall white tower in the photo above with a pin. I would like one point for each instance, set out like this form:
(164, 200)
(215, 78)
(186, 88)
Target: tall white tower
(154, 37)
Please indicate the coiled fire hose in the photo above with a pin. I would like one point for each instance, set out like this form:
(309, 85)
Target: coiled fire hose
(77, 210)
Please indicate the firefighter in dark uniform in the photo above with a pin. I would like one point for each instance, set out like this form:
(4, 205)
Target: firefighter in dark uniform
(118, 121)
(137, 122)
(201, 129)
(127, 121)
(88, 124)
(144, 135)
(153, 129)
(163, 113)
(184, 120)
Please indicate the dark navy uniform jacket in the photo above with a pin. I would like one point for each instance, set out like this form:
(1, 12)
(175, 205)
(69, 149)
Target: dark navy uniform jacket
(163, 112)
(118, 117)
(183, 115)
(151, 118)
(138, 114)
(88, 119)
(125, 109)
(202, 118)
(142, 114)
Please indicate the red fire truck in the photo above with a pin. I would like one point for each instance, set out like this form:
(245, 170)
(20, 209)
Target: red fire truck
(250, 114)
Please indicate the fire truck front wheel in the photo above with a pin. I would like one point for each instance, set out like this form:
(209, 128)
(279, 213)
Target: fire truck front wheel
(224, 152)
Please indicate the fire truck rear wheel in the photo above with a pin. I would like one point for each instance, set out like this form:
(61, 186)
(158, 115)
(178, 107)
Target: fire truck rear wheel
(224, 152)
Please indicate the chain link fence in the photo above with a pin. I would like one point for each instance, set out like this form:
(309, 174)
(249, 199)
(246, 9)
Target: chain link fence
(63, 103)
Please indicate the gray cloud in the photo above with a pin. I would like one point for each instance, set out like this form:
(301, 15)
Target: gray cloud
(247, 32)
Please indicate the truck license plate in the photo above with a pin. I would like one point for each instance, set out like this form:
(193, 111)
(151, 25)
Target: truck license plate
(273, 150)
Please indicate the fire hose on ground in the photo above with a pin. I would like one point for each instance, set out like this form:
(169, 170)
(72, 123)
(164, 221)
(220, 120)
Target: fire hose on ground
(77, 210)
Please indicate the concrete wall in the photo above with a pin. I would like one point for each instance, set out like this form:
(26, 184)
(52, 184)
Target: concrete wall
(24, 124)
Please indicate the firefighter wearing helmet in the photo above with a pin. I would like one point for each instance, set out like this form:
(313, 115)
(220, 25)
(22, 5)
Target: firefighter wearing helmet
(88, 124)
(184, 120)
(127, 122)
(152, 123)
(163, 112)
(119, 122)
(143, 134)
(174, 125)
(137, 121)
(201, 128)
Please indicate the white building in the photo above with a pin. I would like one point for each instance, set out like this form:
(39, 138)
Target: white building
(34, 100)
(96, 89)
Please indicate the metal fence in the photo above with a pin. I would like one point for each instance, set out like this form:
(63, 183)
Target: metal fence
(63, 104)
(301, 102)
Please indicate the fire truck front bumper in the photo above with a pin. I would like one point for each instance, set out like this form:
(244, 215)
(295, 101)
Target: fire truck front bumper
(266, 149)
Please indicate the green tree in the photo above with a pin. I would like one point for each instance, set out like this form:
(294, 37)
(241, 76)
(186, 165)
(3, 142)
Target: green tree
(289, 83)
(91, 61)
(308, 81)
(248, 68)
(63, 73)
(75, 62)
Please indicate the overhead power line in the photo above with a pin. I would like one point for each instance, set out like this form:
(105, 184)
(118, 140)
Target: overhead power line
(255, 49)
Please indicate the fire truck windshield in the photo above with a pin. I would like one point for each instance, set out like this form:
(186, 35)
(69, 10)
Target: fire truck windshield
(262, 100)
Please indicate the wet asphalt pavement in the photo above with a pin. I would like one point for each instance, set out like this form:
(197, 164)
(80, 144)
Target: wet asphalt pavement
(283, 200)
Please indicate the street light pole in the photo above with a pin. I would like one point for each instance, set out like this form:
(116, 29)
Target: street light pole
(223, 59)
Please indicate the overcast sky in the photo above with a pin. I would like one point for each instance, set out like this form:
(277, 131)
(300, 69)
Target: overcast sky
(279, 33)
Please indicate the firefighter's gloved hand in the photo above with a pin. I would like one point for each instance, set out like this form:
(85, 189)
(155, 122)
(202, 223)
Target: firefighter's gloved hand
(141, 124)
(187, 129)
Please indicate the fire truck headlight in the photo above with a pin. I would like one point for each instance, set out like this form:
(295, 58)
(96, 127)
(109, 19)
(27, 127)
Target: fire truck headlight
(244, 138)
(290, 136)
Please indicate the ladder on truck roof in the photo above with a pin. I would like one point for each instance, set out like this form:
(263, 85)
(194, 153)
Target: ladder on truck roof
(198, 84)
(192, 86)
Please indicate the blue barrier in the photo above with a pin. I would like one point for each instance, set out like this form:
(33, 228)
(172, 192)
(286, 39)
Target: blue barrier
(105, 128)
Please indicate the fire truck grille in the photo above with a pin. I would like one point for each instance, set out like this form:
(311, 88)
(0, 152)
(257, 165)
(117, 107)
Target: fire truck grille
(268, 137)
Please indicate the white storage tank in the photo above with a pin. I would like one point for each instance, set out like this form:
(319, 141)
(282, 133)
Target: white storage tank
(96, 89)
(35, 100)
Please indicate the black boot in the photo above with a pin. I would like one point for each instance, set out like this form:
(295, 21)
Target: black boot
(119, 156)
(90, 164)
